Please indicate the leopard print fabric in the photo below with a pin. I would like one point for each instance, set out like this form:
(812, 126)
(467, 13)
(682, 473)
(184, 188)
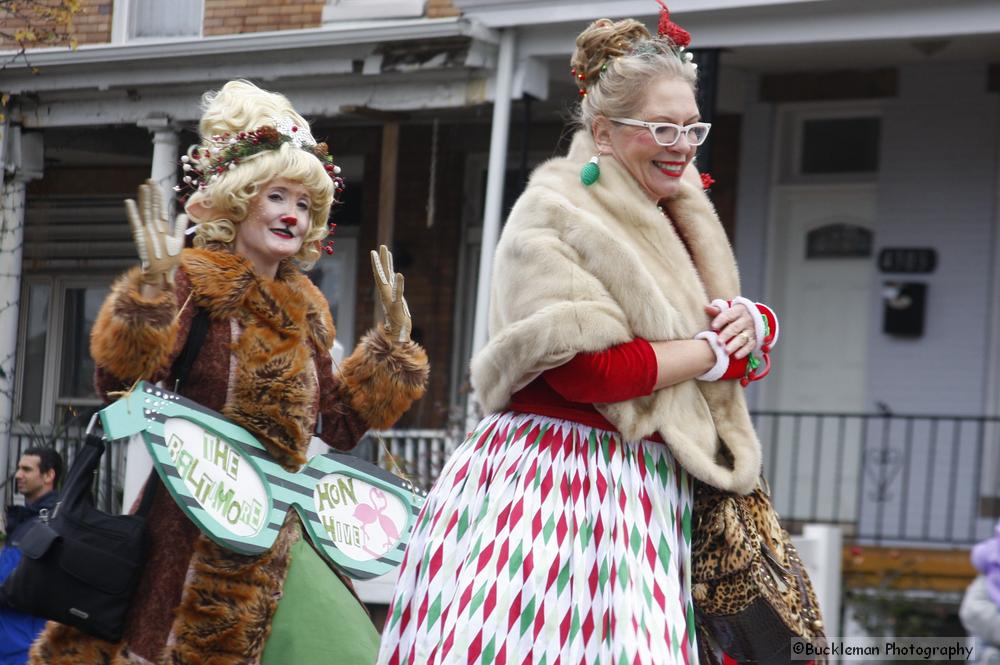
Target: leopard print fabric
(741, 555)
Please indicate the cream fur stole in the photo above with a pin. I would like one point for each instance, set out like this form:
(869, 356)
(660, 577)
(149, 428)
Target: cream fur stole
(581, 269)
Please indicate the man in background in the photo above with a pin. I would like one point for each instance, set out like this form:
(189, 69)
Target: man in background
(38, 473)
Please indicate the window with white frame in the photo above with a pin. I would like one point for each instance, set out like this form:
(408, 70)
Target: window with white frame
(55, 373)
(358, 10)
(155, 19)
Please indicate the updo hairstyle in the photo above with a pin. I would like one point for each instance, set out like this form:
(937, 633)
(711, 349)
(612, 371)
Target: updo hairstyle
(617, 60)
(238, 107)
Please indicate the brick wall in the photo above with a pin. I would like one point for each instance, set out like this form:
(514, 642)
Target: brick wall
(441, 8)
(222, 17)
(226, 17)
(426, 256)
(92, 25)
(430, 254)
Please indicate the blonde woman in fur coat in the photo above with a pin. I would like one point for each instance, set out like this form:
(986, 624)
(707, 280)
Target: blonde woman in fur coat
(560, 530)
(265, 365)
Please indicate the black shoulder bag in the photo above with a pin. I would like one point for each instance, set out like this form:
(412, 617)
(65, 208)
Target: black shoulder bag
(81, 566)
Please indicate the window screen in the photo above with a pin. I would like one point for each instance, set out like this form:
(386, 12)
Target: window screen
(177, 18)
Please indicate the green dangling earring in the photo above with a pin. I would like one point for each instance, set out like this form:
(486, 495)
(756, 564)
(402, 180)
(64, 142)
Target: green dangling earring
(591, 171)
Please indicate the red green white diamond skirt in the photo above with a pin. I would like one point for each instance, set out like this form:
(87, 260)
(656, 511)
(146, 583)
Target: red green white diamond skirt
(548, 542)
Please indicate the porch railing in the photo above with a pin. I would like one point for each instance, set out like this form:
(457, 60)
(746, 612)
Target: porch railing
(886, 479)
(108, 480)
(419, 453)
(930, 480)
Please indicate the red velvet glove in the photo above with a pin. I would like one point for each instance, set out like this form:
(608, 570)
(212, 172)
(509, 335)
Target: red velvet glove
(765, 321)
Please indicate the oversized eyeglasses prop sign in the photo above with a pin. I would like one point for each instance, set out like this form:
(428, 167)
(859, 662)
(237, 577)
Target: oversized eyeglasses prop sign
(358, 515)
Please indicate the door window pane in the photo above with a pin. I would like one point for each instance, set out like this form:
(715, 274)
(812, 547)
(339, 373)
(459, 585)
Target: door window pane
(33, 362)
(77, 367)
(840, 145)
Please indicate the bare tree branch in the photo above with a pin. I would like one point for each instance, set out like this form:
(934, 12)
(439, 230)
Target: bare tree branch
(27, 24)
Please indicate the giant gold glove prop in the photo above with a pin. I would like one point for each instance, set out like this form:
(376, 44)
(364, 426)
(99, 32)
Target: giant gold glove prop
(390, 292)
(159, 244)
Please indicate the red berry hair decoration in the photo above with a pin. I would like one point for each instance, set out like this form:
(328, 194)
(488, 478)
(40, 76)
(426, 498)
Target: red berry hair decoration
(328, 245)
(579, 78)
(670, 30)
(679, 37)
(591, 71)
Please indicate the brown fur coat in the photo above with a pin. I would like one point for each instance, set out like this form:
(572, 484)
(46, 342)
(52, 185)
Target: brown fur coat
(264, 364)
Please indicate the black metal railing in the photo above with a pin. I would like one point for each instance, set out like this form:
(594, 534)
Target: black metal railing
(108, 480)
(419, 453)
(887, 479)
(914, 480)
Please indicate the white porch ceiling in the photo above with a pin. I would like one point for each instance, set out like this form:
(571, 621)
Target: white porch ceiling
(312, 96)
(729, 23)
(775, 23)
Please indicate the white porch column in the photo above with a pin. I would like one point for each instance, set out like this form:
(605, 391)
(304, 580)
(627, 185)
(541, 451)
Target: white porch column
(496, 170)
(22, 163)
(138, 463)
(165, 145)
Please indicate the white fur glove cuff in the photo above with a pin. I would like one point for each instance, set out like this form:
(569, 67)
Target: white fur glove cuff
(721, 357)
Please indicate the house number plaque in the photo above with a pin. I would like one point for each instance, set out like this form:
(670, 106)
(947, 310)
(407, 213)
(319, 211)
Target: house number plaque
(911, 260)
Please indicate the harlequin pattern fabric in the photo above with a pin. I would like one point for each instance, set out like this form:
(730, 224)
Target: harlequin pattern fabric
(546, 541)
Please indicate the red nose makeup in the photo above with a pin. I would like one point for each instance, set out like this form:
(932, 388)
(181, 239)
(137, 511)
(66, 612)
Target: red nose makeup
(289, 220)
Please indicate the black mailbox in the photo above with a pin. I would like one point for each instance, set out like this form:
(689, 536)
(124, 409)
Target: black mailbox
(904, 304)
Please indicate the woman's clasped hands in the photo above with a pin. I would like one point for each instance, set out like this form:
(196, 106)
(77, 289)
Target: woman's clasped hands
(735, 327)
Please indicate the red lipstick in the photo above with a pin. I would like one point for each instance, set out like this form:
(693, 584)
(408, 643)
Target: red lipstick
(676, 172)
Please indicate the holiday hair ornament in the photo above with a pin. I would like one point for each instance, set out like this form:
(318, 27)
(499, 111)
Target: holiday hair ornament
(666, 29)
(670, 30)
(204, 163)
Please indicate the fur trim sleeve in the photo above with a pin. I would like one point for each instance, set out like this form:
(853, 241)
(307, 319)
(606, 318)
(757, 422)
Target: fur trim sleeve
(134, 336)
(382, 379)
